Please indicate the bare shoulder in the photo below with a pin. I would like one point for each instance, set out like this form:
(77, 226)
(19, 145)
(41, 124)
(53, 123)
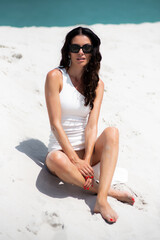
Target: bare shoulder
(100, 87)
(101, 83)
(54, 78)
(54, 75)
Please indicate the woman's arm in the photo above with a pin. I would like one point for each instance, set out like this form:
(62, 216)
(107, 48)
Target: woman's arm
(53, 86)
(91, 128)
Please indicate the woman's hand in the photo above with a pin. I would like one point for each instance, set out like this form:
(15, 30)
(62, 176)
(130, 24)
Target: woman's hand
(88, 183)
(84, 168)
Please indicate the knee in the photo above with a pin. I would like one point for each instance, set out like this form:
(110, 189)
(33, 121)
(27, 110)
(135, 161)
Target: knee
(56, 160)
(112, 135)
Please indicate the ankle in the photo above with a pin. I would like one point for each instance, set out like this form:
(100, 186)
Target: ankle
(101, 199)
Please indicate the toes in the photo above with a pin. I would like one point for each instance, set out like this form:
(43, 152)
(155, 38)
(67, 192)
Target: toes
(110, 220)
(133, 200)
(127, 198)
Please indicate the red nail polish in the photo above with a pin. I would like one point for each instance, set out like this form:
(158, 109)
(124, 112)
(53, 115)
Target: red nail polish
(87, 188)
(84, 187)
(92, 185)
(91, 176)
(133, 200)
(111, 219)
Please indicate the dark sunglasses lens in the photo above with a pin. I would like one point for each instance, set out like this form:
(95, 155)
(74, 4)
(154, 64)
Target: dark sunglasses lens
(74, 48)
(87, 48)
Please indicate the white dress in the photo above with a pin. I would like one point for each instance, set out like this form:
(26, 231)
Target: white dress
(74, 115)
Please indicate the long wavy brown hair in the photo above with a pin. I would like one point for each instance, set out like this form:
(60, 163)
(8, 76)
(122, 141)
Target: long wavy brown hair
(90, 75)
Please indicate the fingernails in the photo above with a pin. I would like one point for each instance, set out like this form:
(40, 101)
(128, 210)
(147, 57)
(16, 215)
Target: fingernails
(87, 188)
(84, 187)
(88, 177)
(92, 185)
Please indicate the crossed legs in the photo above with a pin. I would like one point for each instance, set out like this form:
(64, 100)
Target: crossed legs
(106, 152)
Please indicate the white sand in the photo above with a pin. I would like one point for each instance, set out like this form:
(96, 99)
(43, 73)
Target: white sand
(37, 205)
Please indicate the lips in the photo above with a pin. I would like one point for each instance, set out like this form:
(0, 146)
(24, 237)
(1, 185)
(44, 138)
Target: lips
(80, 59)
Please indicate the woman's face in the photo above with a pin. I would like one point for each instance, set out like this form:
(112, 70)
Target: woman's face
(80, 58)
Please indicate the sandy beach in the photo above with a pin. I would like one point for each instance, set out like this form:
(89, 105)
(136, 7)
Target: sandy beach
(36, 205)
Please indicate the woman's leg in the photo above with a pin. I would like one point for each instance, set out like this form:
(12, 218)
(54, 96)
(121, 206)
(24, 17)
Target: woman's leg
(106, 151)
(59, 164)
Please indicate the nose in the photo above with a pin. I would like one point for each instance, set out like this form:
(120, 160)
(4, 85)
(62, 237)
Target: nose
(81, 51)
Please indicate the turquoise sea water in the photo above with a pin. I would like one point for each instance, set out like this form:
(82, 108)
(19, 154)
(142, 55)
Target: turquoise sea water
(20, 13)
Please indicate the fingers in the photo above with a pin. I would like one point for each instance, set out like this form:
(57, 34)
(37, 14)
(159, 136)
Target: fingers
(88, 184)
(85, 169)
(89, 169)
(86, 172)
(88, 177)
(90, 172)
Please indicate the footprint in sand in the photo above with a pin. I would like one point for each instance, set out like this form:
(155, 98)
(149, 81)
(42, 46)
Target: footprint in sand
(33, 227)
(8, 54)
(50, 218)
(17, 55)
(3, 46)
(53, 220)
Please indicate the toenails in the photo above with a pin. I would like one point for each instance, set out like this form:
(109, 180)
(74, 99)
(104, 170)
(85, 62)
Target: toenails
(133, 201)
(113, 221)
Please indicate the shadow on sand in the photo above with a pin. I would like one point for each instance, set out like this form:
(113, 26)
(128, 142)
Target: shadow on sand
(47, 183)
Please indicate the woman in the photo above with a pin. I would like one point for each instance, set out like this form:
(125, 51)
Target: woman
(74, 94)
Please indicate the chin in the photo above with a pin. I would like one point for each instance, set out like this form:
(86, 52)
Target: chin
(83, 64)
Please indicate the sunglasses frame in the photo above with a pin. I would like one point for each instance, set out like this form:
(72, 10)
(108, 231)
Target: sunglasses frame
(79, 47)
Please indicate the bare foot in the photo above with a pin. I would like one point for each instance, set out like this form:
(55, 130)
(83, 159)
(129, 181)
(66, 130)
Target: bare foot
(122, 196)
(106, 211)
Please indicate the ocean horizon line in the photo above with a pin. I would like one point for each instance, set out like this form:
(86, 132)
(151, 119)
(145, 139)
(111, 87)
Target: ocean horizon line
(83, 25)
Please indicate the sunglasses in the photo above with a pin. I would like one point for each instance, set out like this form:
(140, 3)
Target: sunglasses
(87, 48)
